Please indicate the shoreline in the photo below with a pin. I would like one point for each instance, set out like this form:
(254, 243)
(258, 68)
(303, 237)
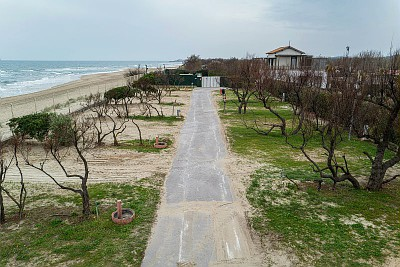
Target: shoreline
(84, 80)
(64, 98)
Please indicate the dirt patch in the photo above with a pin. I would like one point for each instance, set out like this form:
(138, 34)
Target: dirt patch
(107, 163)
(392, 262)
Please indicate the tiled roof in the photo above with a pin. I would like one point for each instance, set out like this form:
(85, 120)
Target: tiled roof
(280, 49)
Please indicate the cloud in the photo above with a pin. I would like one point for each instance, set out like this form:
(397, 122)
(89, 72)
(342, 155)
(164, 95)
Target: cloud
(160, 29)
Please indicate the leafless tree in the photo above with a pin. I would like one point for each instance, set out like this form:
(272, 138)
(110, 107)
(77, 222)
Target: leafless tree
(68, 136)
(192, 63)
(139, 131)
(145, 91)
(97, 104)
(4, 167)
(241, 78)
(381, 89)
(118, 122)
(328, 134)
(19, 200)
(267, 87)
(161, 86)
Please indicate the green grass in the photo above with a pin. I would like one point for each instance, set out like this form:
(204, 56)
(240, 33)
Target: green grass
(146, 147)
(170, 120)
(48, 239)
(172, 104)
(345, 227)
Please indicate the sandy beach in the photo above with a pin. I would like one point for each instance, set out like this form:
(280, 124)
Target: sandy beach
(108, 164)
(61, 99)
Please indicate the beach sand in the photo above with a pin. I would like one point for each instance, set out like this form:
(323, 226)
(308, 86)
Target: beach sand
(61, 99)
(107, 163)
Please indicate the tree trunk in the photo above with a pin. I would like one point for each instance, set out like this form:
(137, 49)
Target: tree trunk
(126, 108)
(115, 140)
(240, 108)
(2, 213)
(378, 169)
(139, 131)
(354, 182)
(85, 200)
(377, 175)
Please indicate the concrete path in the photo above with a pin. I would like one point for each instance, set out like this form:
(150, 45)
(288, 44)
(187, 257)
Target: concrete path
(199, 223)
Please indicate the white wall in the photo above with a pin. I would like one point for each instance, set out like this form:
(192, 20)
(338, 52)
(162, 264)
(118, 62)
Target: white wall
(211, 81)
(283, 61)
(288, 52)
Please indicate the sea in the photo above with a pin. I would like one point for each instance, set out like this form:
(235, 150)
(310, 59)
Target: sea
(23, 77)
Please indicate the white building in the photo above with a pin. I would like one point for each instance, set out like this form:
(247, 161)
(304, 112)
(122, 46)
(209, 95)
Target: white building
(286, 57)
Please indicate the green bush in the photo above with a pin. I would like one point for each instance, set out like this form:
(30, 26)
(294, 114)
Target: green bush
(118, 93)
(33, 125)
(42, 125)
(60, 130)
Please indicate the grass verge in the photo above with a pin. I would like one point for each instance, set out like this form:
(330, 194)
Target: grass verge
(56, 235)
(146, 147)
(345, 227)
(170, 120)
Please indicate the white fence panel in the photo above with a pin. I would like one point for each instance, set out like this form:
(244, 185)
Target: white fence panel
(211, 81)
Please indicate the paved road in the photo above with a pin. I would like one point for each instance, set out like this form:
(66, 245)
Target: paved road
(198, 223)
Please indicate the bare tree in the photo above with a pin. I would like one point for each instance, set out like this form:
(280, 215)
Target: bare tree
(267, 87)
(242, 77)
(68, 136)
(97, 104)
(192, 63)
(118, 122)
(161, 81)
(19, 200)
(145, 91)
(139, 131)
(329, 135)
(381, 88)
(4, 167)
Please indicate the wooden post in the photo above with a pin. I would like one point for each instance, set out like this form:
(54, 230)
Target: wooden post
(54, 105)
(119, 209)
(12, 111)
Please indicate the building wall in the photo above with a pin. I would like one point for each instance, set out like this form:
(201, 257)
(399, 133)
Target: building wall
(288, 52)
(283, 62)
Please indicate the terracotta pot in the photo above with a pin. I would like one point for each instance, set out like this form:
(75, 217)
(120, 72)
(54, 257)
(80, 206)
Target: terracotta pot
(160, 145)
(125, 218)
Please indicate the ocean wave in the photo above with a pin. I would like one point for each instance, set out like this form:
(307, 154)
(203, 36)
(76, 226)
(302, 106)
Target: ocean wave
(76, 69)
(24, 87)
(8, 82)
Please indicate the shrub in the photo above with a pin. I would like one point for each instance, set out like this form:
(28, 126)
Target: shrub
(42, 125)
(33, 125)
(118, 93)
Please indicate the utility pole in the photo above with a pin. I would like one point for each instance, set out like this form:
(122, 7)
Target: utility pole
(354, 100)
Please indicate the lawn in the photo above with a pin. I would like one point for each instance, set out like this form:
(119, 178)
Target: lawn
(56, 234)
(170, 120)
(342, 227)
(147, 145)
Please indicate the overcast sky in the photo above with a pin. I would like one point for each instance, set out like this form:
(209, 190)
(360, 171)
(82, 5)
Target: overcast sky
(172, 29)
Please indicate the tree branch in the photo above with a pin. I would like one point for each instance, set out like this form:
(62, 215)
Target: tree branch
(391, 179)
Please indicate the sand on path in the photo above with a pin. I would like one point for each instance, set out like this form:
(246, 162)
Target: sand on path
(201, 221)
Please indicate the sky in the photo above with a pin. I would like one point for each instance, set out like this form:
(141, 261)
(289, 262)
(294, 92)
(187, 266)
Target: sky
(176, 29)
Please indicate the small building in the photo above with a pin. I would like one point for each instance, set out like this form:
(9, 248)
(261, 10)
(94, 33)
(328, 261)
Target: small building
(287, 57)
